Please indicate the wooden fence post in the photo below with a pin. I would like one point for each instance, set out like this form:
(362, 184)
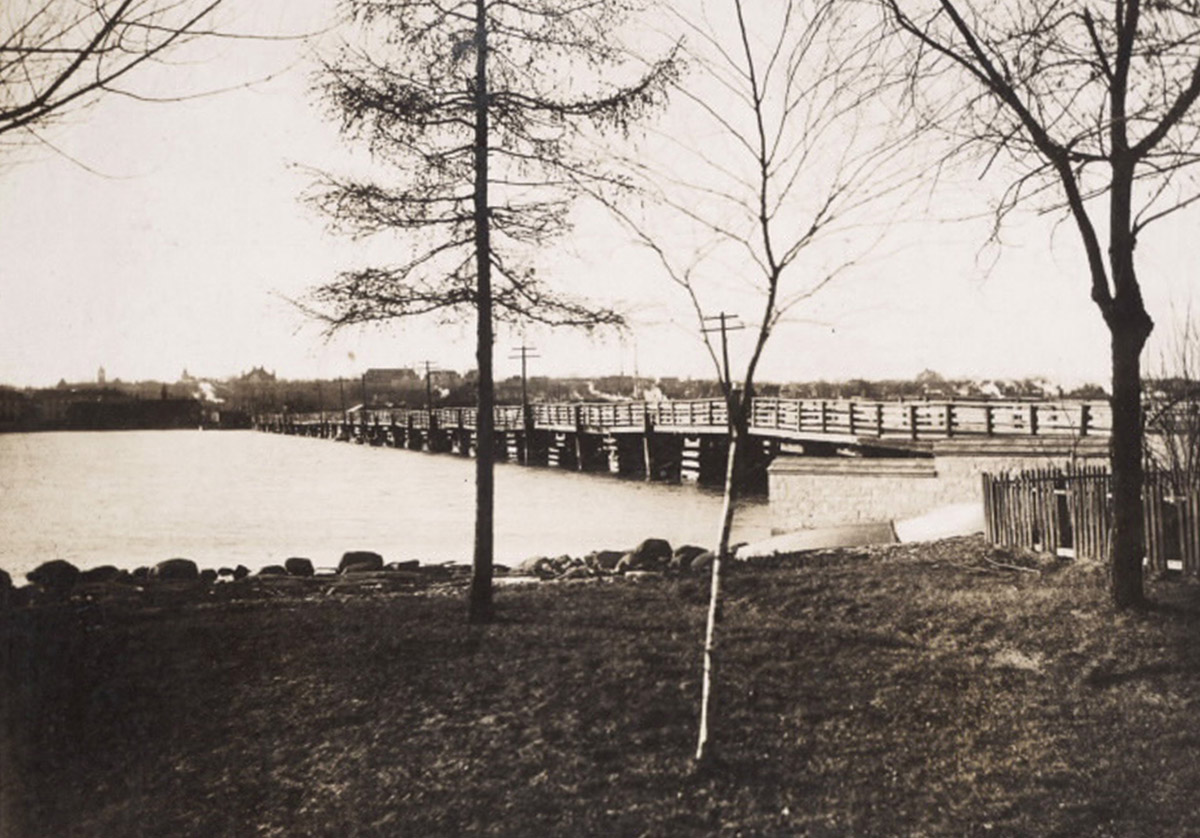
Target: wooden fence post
(989, 513)
(1152, 524)
(1191, 558)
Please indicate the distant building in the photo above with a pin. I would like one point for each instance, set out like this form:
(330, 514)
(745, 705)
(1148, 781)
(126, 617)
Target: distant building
(101, 378)
(50, 406)
(258, 375)
(991, 390)
(15, 407)
(391, 379)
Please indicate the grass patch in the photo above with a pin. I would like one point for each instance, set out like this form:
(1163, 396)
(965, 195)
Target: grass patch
(913, 690)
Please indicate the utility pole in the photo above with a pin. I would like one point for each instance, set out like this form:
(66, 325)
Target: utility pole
(526, 439)
(429, 371)
(637, 386)
(728, 324)
(525, 353)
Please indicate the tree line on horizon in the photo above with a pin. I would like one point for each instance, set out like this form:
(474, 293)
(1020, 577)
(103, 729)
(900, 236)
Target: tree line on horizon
(453, 389)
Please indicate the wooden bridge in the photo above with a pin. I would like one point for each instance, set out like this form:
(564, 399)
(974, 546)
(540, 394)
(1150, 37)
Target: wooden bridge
(673, 440)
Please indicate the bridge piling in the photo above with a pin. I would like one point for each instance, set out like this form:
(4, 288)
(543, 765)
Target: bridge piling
(537, 448)
(626, 455)
(590, 453)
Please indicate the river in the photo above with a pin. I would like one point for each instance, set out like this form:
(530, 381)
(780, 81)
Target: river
(133, 498)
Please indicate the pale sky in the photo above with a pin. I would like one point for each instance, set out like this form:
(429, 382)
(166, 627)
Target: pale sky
(167, 236)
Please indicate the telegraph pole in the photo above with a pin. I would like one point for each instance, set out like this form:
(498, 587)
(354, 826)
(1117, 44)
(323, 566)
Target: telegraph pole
(525, 353)
(637, 384)
(429, 371)
(728, 324)
(526, 417)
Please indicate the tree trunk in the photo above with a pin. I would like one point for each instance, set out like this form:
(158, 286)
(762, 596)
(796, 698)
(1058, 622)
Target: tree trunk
(705, 751)
(1129, 325)
(1126, 452)
(480, 608)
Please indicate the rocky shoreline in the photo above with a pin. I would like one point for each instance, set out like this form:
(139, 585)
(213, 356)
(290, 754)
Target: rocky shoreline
(180, 580)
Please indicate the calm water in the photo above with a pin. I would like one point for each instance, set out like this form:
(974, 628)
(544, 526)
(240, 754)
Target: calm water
(137, 497)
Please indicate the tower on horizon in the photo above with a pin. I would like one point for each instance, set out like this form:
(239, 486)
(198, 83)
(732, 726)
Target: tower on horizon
(101, 378)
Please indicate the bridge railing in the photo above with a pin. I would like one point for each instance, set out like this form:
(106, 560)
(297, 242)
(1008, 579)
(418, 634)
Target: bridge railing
(454, 418)
(693, 413)
(916, 420)
(591, 415)
(313, 418)
(849, 418)
(386, 417)
(505, 418)
(510, 417)
(613, 415)
(555, 415)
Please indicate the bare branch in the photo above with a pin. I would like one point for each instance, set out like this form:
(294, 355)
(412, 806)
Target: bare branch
(58, 55)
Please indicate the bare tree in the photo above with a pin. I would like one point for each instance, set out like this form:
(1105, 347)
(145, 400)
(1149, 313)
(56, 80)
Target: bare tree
(475, 105)
(57, 56)
(788, 165)
(1092, 105)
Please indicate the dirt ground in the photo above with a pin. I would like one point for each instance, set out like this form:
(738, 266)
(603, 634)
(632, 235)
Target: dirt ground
(931, 689)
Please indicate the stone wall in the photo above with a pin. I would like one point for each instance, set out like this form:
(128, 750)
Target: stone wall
(809, 492)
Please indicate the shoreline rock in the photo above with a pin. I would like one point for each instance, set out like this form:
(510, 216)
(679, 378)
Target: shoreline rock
(179, 581)
(55, 578)
(179, 570)
(297, 566)
(360, 561)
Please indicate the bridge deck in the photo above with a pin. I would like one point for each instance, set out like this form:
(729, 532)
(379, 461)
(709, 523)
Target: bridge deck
(847, 421)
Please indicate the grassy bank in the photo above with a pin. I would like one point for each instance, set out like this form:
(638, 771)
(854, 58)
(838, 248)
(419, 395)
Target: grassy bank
(912, 690)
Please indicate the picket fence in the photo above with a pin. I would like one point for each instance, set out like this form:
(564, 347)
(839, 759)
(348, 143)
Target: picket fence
(1069, 512)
